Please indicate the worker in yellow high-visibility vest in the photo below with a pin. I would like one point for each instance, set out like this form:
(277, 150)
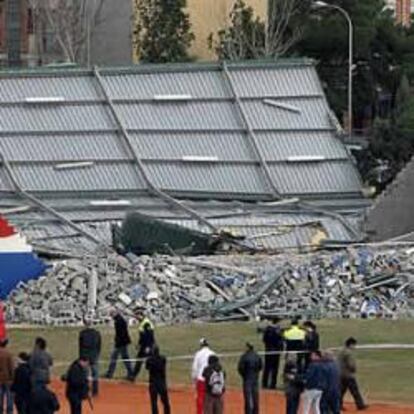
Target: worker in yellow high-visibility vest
(295, 341)
(146, 340)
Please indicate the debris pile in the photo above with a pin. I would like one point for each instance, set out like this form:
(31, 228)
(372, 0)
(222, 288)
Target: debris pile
(352, 283)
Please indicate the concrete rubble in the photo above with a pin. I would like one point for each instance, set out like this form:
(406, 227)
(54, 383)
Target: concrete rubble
(349, 284)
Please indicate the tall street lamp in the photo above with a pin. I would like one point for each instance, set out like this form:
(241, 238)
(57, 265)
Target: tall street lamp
(321, 4)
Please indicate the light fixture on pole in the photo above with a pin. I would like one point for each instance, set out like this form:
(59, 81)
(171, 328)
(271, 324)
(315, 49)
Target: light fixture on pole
(322, 4)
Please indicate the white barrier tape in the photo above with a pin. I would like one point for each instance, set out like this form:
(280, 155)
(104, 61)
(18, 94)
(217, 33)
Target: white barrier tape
(364, 347)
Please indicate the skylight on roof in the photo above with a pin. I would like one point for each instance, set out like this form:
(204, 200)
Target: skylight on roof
(110, 203)
(200, 158)
(168, 98)
(281, 105)
(44, 99)
(74, 165)
(306, 158)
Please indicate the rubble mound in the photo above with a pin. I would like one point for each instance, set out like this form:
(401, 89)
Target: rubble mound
(346, 284)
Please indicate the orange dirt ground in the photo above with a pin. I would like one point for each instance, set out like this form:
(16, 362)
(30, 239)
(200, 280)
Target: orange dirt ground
(125, 398)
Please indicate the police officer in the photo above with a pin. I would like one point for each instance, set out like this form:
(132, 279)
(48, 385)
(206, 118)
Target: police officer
(294, 338)
(146, 341)
(273, 343)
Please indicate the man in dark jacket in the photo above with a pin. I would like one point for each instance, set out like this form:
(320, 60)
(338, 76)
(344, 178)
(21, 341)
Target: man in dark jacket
(311, 343)
(331, 397)
(90, 347)
(273, 343)
(122, 341)
(347, 366)
(156, 365)
(22, 385)
(77, 387)
(293, 385)
(43, 401)
(250, 365)
(40, 363)
(146, 340)
(315, 383)
(215, 386)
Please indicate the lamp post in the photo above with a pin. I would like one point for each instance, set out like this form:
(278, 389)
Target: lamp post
(321, 4)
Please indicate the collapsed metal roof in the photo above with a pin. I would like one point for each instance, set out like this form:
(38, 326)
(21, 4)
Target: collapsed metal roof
(233, 131)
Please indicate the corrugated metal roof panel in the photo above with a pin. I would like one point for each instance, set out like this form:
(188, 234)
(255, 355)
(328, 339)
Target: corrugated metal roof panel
(206, 177)
(68, 87)
(321, 177)
(99, 177)
(223, 145)
(314, 114)
(76, 147)
(200, 84)
(60, 117)
(182, 115)
(288, 81)
(280, 146)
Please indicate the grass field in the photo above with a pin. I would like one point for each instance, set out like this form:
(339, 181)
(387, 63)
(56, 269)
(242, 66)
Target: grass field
(384, 375)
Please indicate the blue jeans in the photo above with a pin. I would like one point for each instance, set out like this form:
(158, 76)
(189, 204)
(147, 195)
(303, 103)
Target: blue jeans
(5, 394)
(116, 353)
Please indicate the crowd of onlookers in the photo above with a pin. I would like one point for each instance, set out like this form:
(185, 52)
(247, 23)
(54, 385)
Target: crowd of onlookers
(310, 375)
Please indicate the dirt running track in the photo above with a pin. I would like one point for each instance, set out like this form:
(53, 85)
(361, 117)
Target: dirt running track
(125, 398)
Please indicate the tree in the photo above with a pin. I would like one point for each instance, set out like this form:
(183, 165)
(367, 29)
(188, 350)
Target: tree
(163, 31)
(249, 37)
(69, 23)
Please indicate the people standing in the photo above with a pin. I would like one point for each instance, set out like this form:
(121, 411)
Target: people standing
(331, 396)
(40, 363)
(348, 369)
(293, 385)
(90, 343)
(42, 400)
(315, 383)
(215, 386)
(156, 364)
(273, 343)
(77, 387)
(146, 340)
(294, 338)
(6, 377)
(121, 342)
(22, 385)
(311, 342)
(250, 365)
(200, 363)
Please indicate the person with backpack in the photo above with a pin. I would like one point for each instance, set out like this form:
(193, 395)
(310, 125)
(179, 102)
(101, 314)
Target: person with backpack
(77, 387)
(156, 365)
(250, 365)
(273, 343)
(22, 385)
(215, 386)
(200, 363)
(90, 344)
(42, 400)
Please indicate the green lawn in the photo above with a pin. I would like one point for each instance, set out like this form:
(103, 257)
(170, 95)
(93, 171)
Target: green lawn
(384, 375)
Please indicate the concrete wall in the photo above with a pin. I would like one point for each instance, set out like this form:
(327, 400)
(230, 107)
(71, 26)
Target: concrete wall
(209, 16)
(111, 40)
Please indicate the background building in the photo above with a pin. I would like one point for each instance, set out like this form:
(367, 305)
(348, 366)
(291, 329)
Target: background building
(403, 10)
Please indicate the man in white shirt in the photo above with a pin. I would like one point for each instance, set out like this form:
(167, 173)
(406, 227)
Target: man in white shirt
(199, 364)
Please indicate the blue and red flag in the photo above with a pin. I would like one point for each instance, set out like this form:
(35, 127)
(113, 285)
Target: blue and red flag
(18, 263)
